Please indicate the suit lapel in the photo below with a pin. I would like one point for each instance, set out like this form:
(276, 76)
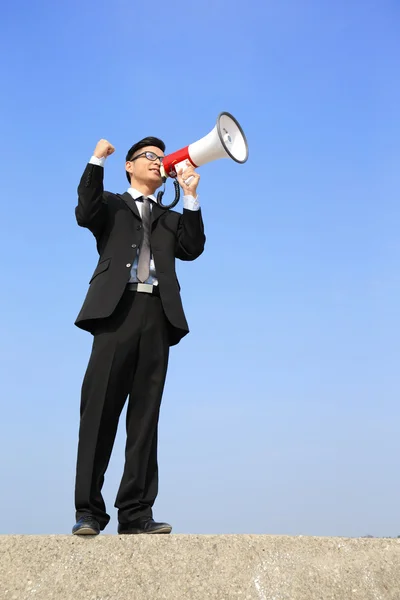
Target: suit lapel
(156, 210)
(156, 213)
(131, 203)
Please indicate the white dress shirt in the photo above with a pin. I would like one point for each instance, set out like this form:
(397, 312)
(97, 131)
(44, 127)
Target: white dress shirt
(189, 202)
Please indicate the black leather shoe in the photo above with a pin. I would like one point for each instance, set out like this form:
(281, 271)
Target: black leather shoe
(86, 526)
(144, 525)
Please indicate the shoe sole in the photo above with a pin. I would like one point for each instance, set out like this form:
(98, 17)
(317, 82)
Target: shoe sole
(164, 531)
(86, 531)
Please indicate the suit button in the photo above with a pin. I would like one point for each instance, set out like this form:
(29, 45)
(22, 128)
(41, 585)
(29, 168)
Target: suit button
(139, 227)
(129, 265)
(134, 246)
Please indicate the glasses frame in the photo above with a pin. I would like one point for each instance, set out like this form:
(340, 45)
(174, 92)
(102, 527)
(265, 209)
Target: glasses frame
(160, 158)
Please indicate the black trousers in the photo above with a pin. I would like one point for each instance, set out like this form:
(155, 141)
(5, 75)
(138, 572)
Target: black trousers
(129, 358)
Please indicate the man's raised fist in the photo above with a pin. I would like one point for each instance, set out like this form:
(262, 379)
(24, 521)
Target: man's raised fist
(103, 149)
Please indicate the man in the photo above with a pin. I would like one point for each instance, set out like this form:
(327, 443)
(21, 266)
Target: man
(134, 311)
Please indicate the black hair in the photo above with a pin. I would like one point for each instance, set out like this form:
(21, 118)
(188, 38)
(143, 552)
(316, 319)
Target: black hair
(148, 141)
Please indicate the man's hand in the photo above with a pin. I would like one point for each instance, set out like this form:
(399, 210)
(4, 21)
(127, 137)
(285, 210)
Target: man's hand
(189, 189)
(103, 149)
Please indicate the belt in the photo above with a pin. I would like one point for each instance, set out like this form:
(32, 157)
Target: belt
(148, 288)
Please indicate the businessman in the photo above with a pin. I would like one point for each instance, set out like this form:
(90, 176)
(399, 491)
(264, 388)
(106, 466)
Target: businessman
(134, 311)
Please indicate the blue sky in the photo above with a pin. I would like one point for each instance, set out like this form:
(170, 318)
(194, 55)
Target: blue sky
(281, 408)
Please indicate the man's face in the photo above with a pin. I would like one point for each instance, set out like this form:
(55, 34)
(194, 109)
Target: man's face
(143, 169)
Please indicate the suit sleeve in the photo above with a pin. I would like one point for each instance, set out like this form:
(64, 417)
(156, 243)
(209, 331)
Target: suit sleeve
(190, 238)
(91, 211)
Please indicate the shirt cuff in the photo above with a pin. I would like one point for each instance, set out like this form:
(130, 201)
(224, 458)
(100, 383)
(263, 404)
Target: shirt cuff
(97, 161)
(191, 203)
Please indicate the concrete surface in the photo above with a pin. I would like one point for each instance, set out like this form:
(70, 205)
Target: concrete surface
(222, 567)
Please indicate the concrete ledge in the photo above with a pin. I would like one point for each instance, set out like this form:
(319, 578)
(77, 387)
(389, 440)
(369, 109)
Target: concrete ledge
(176, 567)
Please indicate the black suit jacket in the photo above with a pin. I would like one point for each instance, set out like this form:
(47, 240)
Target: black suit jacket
(115, 222)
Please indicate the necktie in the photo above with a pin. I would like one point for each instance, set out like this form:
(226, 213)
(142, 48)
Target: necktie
(143, 270)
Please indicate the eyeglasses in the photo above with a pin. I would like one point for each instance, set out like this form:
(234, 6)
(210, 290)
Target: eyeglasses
(149, 155)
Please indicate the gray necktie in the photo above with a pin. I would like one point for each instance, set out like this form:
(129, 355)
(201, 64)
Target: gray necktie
(143, 270)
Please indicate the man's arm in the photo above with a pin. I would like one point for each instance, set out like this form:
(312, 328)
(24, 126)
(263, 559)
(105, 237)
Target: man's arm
(190, 238)
(91, 210)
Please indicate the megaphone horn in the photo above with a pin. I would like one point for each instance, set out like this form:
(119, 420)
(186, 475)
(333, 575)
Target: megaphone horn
(226, 140)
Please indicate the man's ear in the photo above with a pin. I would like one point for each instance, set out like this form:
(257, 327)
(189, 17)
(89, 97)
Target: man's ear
(129, 167)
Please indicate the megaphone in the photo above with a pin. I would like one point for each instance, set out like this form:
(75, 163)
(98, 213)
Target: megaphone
(226, 140)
